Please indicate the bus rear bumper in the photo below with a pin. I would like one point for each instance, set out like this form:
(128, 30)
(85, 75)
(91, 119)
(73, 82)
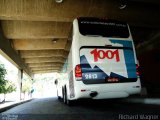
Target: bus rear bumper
(104, 95)
(109, 95)
(108, 91)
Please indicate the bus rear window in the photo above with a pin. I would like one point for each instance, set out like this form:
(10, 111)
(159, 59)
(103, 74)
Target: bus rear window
(103, 27)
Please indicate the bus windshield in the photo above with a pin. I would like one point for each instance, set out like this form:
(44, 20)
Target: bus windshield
(103, 27)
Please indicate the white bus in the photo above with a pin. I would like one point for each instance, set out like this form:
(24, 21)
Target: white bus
(102, 62)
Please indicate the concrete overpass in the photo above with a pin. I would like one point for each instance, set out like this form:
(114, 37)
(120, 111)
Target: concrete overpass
(35, 34)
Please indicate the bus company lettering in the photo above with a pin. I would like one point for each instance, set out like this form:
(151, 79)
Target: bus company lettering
(101, 54)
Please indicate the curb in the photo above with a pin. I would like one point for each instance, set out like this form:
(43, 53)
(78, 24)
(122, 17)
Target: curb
(13, 105)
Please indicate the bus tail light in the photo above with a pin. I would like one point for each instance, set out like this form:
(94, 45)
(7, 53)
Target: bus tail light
(137, 69)
(78, 71)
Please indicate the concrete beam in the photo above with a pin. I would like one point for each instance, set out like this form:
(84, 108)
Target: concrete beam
(45, 10)
(9, 53)
(45, 59)
(39, 44)
(35, 29)
(45, 68)
(48, 10)
(43, 53)
(44, 71)
(48, 64)
(68, 45)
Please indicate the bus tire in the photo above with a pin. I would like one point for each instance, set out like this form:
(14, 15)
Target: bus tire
(67, 101)
(64, 96)
(70, 102)
(58, 96)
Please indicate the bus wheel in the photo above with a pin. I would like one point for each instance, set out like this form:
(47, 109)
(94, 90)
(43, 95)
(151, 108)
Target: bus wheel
(68, 102)
(58, 96)
(64, 95)
(65, 99)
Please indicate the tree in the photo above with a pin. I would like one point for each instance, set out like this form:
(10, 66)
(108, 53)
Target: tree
(26, 86)
(2, 78)
(5, 85)
(9, 87)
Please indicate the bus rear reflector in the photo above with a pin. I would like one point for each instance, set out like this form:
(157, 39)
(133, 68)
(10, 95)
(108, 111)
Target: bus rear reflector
(78, 71)
(83, 90)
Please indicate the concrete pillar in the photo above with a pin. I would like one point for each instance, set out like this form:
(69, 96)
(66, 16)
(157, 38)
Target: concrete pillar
(19, 89)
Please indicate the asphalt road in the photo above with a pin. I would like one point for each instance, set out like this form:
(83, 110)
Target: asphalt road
(53, 109)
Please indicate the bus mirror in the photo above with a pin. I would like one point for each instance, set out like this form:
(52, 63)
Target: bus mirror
(56, 82)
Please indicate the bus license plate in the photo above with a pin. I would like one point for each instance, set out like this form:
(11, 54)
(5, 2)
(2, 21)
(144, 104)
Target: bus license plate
(91, 76)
